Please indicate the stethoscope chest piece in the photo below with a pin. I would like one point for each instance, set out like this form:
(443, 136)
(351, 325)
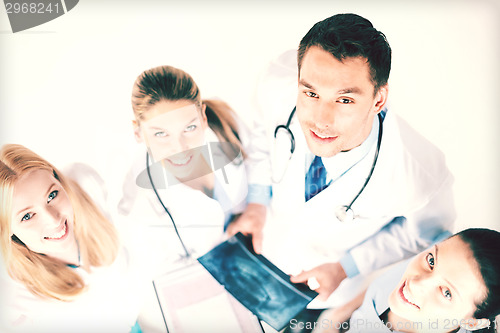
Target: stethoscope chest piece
(344, 214)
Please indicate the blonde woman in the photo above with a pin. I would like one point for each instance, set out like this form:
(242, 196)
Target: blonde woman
(65, 270)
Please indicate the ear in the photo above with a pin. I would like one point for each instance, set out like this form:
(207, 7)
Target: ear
(204, 120)
(137, 131)
(473, 324)
(380, 98)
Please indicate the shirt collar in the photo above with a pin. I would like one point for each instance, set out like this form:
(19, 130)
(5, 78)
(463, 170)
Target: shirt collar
(342, 162)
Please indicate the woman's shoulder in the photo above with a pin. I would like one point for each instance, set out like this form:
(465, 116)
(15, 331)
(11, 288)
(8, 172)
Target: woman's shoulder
(119, 286)
(17, 304)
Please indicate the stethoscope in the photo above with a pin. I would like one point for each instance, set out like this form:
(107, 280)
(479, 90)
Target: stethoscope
(188, 255)
(344, 213)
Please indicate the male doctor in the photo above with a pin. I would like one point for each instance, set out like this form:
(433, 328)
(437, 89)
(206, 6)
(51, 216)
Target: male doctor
(362, 189)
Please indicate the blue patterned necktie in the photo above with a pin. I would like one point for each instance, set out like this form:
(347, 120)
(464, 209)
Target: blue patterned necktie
(315, 178)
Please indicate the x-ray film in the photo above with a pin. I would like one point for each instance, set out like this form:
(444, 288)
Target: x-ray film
(255, 282)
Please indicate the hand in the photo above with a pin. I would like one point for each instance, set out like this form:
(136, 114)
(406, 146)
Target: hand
(338, 318)
(328, 276)
(251, 222)
(331, 320)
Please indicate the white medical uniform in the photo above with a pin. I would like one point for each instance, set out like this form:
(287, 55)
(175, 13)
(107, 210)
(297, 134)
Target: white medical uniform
(199, 219)
(406, 205)
(110, 304)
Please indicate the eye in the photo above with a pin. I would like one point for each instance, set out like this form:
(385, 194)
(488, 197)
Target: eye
(430, 260)
(446, 293)
(311, 94)
(52, 196)
(190, 128)
(345, 101)
(27, 216)
(160, 134)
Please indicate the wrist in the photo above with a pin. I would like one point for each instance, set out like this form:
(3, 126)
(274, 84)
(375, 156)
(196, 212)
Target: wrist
(256, 209)
(349, 265)
(342, 272)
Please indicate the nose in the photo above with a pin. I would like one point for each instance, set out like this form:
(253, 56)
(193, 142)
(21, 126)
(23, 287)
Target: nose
(52, 216)
(422, 284)
(178, 146)
(324, 115)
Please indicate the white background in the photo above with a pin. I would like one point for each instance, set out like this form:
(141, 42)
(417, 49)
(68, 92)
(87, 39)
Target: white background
(65, 85)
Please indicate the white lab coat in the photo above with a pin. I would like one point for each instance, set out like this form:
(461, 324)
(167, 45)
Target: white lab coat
(199, 220)
(410, 180)
(110, 304)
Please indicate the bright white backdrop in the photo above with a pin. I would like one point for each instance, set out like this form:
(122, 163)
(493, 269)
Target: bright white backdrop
(65, 85)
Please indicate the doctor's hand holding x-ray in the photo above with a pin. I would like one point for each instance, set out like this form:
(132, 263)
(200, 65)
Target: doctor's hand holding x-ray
(354, 187)
(324, 278)
(250, 222)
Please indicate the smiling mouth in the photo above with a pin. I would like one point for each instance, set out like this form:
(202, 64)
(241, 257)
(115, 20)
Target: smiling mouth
(405, 295)
(60, 234)
(322, 138)
(180, 162)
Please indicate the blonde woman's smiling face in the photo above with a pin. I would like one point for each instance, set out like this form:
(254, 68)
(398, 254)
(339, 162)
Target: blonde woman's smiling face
(43, 217)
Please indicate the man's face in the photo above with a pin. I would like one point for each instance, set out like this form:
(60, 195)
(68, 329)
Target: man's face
(336, 103)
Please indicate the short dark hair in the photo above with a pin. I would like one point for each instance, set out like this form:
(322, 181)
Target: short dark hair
(485, 247)
(350, 35)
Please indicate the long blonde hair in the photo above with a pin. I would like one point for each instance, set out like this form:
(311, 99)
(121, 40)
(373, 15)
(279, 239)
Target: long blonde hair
(42, 275)
(167, 83)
